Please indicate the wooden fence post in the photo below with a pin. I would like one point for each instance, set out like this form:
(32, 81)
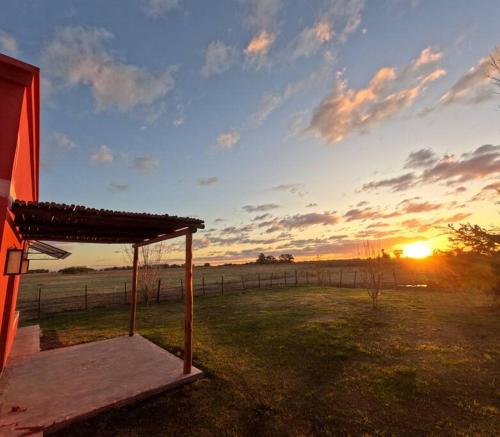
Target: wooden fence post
(39, 302)
(307, 277)
(285, 278)
(395, 281)
(243, 282)
(340, 280)
(86, 298)
(355, 275)
(182, 289)
(158, 291)
(222, 285)
(203, 284)
(296, 279)
(258, 278)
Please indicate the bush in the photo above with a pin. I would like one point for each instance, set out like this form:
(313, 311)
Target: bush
(75, 270)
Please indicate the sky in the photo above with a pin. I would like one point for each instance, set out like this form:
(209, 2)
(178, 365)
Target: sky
(303, 127)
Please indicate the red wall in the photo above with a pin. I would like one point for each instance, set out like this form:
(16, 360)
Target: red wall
(19, 161)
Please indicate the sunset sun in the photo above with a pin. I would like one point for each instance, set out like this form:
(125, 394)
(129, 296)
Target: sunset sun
(419, 249)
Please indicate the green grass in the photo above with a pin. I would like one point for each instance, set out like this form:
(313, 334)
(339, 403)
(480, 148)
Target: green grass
(313, 361)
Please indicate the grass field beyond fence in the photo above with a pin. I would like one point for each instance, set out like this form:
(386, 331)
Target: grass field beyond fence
(49, 293)
(313, 361)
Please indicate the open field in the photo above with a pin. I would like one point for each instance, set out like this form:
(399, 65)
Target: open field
(311, 360)
(60, 285)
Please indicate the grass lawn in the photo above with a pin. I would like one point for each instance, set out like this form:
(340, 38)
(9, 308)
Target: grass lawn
(313, 361)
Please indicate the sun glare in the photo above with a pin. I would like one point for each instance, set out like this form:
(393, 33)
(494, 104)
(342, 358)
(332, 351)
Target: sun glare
(417, 250)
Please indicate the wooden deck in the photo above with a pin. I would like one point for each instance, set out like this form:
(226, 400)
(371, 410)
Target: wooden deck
(45, 391)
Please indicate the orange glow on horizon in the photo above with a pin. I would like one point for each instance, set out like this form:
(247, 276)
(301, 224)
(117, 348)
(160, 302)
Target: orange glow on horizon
(419, 249)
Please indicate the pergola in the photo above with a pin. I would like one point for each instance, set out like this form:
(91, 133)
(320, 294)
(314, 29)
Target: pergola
(49, 221)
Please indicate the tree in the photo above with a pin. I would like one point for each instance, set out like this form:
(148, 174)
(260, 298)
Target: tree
(151, 259)
(261, 259)
(372, 271)
(473, 238)
(286, 258)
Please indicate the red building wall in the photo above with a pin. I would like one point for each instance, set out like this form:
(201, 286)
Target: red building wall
(19, 163)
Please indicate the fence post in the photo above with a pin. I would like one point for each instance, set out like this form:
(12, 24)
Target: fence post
(86, 298)
(222, 285)
(319, 278)
(125, 292)
(340, 280)
(182, 289)
(395, 281)
(243, 282)
(271, 280)
(355, 275)
(307, 277)
(158, 291)
(296, 279)
(258, 277)
(39, 302)
(285, 278)
(203, 284)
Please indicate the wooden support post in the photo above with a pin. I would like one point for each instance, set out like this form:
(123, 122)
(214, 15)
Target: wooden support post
(158, 291)
(285, 278)
(39, 302)
(203, 285)
(258, 278)
(133, 300)
(86, 298)
(243, 283)
(188, 304)
(296, 279)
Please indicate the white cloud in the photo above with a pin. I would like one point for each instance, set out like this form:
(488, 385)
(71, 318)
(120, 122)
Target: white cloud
(427, 56)
(472, 87)
(272, 101)
(146, 164)
(79, 56)
(102, 155)
(118, 188)
(226, 140)
(262, 14)
(259, 45)
(311, 39)
(8, 44)
(347, 110)
(61, 141)
(157, 8)
(218, 58)
(206, 182)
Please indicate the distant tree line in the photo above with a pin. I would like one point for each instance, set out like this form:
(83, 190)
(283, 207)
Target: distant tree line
(284, 258)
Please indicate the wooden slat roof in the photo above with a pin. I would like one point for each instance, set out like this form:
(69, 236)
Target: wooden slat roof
(62, 222)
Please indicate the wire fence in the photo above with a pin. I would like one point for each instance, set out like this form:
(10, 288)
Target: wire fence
(44, 300)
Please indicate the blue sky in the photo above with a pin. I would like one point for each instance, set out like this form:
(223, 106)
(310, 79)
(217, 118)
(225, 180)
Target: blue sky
(298, 126)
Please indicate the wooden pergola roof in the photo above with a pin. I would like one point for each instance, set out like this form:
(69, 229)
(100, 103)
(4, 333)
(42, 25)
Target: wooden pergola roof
(61, 222)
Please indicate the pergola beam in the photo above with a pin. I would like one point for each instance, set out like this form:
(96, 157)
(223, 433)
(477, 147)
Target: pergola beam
(175, 234)
(188, 304)
(133, 299)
